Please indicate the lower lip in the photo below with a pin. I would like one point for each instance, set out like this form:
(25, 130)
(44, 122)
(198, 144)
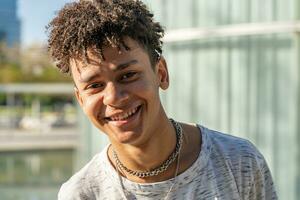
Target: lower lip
(128, 121)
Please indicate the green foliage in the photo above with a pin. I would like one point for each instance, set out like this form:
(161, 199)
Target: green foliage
(2, 99)
(29, 65)
(12, 73)
(49, 74)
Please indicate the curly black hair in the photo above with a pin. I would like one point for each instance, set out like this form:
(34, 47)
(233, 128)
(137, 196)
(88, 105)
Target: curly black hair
(96, 23)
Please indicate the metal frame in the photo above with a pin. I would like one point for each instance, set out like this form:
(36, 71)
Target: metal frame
(37, 88)
(248, 29)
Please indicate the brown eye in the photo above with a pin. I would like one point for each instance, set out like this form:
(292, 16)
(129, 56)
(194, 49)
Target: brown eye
(128, 76)
(95, 85)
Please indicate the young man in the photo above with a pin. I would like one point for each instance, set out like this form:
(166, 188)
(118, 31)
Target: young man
(113, 51)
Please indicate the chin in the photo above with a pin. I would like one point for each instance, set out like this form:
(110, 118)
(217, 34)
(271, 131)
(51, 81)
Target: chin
(128, 137)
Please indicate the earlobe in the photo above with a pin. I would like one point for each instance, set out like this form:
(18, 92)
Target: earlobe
(163, 73)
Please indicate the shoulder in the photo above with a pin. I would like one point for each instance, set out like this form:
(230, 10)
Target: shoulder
(81, 184)
(244, 162)
(230, 146)
(229, 152)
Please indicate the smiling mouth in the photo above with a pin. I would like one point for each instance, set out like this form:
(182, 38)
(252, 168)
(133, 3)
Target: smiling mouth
(125, 115)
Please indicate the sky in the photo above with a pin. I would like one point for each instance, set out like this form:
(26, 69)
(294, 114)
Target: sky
(34, 16)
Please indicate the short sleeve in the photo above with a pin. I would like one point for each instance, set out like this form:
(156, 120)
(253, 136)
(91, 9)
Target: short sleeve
(262, 186)
(72, 191)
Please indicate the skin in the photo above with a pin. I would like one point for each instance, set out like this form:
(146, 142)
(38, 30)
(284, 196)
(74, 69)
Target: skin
(126, 83)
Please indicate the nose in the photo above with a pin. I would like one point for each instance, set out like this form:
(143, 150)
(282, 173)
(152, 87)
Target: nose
(115, 95)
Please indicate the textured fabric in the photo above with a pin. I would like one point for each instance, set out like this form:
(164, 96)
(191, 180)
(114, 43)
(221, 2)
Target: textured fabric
(227, 168)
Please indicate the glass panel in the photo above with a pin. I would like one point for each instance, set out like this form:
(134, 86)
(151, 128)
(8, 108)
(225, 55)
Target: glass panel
(244, 86)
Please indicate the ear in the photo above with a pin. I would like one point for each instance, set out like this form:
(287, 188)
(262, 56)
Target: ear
(163, 74)
(78, 96)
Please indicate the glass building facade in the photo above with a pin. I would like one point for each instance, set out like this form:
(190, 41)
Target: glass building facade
(234, 67)
(9, 22)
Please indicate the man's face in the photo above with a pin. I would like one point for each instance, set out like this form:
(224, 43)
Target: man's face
(120, 94)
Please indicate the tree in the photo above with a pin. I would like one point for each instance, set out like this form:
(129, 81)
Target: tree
(31, 64)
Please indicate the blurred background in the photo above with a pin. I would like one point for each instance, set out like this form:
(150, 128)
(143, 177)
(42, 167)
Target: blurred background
(234, 67)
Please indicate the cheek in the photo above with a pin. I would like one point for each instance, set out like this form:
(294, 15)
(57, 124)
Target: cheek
(146, 88)
(91, 105)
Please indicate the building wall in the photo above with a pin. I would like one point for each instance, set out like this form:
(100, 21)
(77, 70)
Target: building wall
(244, 85)
(9, 22)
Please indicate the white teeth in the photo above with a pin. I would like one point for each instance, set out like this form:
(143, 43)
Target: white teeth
(124, 115)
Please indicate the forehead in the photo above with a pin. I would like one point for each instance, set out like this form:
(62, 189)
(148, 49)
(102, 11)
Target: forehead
(110, 53)
(112, 57)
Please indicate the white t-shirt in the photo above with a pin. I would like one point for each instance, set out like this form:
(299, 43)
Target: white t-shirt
(227, 168)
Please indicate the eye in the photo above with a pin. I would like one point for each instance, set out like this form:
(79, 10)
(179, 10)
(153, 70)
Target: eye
(95, 85)
(128, 76)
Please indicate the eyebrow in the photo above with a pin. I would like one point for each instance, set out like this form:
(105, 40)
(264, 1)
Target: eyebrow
(125, 65)
(119, 67)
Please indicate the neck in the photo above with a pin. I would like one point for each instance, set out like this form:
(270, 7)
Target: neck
(150, 154)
